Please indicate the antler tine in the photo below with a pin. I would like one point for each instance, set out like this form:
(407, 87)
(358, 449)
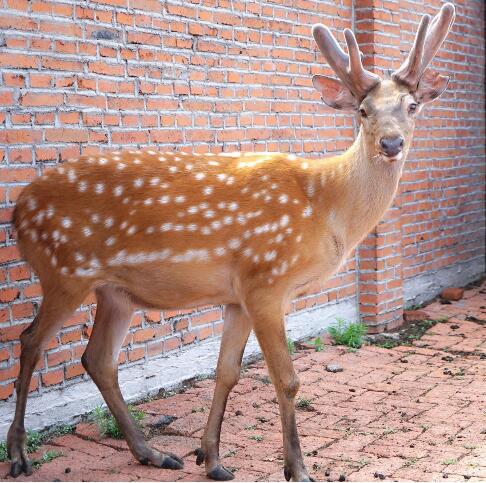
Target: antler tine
(428, 40)
(331, 50)
(347, 67)
(408, 73)
(362, 79)
(437, 33)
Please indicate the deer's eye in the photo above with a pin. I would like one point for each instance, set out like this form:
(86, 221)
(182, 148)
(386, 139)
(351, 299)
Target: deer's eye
(412, 108)
(362, 113)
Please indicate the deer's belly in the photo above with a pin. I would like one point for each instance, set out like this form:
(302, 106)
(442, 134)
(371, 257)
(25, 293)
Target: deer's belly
(166, 286)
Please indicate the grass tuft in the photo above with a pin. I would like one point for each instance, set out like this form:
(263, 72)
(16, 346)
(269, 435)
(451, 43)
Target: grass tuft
(303, 403)
(34, 439)
(47, 457)
(318, 344)
(107, 425)
(290, 346)
(3, 452)
(348, 334)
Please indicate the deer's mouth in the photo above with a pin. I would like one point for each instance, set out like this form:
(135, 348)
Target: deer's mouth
(393, 158)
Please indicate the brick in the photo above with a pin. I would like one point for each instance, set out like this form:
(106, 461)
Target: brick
(66, 135)
(415, 315)
(54, 63)
(74, 370)
(35, 99)
(6, 390)
(9, 372)
(452, 293)
(52, 377)
(58, 357)
(9, 294)
(18, 61)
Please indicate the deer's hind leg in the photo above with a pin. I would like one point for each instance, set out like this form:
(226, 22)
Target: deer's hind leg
(113, 314)
(58, 305)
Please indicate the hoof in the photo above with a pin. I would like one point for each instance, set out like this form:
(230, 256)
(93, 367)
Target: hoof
(167, 461)
(17, 468)
(287, 474)
(172, 462)
(200, 456)
(220, 473)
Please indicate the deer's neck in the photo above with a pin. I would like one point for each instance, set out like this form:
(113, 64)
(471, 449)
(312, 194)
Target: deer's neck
(363, 188)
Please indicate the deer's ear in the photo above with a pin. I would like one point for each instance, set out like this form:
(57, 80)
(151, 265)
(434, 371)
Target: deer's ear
(431, 86)
(334, 93)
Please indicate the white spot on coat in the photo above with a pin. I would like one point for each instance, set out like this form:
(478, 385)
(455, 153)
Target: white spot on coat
(307, 211)
(234, 243)
(66, 222)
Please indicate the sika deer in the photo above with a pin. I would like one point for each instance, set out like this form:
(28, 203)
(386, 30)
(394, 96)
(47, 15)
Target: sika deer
(173, 230)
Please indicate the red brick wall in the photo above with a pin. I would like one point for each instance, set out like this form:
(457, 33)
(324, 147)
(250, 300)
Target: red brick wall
(225, 75)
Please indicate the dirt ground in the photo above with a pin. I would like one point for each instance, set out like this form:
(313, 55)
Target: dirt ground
(412, 412)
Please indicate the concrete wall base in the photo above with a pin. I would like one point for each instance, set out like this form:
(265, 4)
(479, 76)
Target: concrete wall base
(428, 285)
(67, 404)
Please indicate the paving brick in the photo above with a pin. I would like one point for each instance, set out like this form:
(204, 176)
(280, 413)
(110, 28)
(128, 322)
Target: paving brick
(452, 293)
(419, 426)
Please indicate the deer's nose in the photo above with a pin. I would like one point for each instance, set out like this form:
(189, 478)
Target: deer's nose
(391, 145)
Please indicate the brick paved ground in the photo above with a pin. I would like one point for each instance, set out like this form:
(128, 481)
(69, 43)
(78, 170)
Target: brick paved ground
(409, 413)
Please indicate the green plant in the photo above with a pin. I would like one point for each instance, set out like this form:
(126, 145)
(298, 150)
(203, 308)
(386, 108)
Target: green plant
(290, 346)
(303, 403)
(414, 307)
(348, 334)
(61, 430)
(107, 424)
(47, 457)
(33, 441)
(256, 437)
(410, 462)
(388, 344)
(3, 452)
(449, 461)
(318, 344)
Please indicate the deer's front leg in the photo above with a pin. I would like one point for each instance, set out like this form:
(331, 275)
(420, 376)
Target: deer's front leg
(237, 327)
(267, 315)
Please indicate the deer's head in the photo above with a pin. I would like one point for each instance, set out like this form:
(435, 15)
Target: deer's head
(386, 108)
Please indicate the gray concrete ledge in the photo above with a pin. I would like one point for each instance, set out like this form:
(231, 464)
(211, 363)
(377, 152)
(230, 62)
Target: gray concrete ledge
(426, 286)
(67, 404)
